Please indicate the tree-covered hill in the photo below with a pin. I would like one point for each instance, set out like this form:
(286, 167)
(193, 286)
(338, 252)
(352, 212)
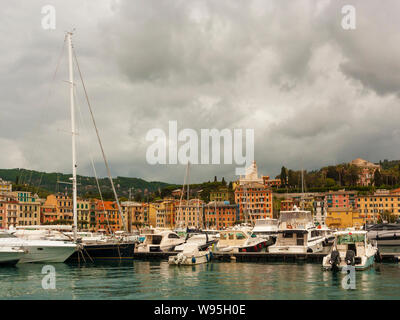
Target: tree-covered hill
(86, 185)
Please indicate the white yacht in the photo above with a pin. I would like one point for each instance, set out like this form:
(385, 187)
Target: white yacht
(39, 250)
(297, 233)
(161, 241)
(240, 240)
(10, 255)
(328, 234)
(191, 255)
(386, 234)
(201, 240)
(351, 248)
(266, 228)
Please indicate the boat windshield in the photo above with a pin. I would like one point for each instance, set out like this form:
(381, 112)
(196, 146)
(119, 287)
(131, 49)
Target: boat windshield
(350, 238)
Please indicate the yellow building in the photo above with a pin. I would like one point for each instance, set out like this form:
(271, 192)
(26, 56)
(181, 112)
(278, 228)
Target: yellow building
(5, 186)
(134, 212)
(222, 194)
(83, 214)
(189, 213)
(162, 213)
(28, 213)
(63, 206)
(153, 209)
(371, 206)
(342, 218)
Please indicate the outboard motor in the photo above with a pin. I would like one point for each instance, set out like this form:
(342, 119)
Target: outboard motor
(350, 254)
(334, 261)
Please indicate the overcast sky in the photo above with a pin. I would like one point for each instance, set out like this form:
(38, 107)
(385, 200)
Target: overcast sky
(314, 93)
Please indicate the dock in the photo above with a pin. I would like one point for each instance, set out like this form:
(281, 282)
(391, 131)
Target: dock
(258, 256)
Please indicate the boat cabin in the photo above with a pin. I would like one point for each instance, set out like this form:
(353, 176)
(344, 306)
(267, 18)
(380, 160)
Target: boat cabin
(233, 237)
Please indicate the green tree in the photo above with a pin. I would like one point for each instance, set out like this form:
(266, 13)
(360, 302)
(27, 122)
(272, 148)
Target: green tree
(378, 179)
(283, 176)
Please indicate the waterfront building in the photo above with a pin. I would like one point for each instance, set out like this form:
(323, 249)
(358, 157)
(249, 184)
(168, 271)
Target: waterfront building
(63, 205)
(254, 201)
(3, 215)
(271, 182)
(189, 213)
(107, 216)
(371, 206)
(341, 218)
(153, 209)
(135, 213)
(220, 215)
(5, 186)
(340, 199)
(222, 194)
(367, 170)
(320, 209)
(11, 207)
(287, 204)
(24, 196)
(83, 214)
(28, 213)
(253, 198)
(48, 214)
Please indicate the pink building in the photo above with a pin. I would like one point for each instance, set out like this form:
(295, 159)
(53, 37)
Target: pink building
(340, 199)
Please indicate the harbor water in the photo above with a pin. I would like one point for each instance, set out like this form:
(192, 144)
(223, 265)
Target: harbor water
(217, 280)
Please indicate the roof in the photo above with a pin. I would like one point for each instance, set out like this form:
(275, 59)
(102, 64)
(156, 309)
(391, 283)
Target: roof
(339, 233)
(108, 205)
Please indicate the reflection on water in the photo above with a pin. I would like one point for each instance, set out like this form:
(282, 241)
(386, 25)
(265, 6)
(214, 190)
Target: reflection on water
(217, 280)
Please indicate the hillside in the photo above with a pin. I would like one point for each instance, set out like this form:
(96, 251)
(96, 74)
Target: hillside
(86, 185)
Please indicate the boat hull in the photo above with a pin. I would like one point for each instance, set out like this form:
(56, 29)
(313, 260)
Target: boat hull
(311, 248)
(44, 254)
(10, 257)
(369, 262)
(103, 252)
(204, 257)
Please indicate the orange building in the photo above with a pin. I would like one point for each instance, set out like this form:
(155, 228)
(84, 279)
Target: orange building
(107, 216)
(48, 214)
(271, 182)
(3, 214)
(287, 205)
(220, 215)
(254, 200)
(63, 208)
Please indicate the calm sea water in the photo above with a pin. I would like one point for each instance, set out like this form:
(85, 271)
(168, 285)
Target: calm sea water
(217, 280)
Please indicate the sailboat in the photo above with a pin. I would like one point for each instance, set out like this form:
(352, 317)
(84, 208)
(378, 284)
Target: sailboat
(113, 248)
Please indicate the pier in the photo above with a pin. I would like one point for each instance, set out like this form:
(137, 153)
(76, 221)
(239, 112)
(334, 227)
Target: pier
(259, 256)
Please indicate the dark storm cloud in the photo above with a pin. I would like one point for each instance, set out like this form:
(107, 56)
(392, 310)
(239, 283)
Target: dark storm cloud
(315, 94)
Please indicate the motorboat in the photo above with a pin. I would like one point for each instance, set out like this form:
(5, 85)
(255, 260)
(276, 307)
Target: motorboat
(39, 250)
(386, 234)
(202, 240)
(351, 248)
(240, 240)
(161, 241)
(191, 255)
(266, 228)
(297, 233)
(10, 256)
(328, 234)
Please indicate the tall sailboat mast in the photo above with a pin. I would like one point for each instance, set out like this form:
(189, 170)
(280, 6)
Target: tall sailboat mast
(74, 164)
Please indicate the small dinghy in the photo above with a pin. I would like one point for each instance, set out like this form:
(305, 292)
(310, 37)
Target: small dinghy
(191, 256)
